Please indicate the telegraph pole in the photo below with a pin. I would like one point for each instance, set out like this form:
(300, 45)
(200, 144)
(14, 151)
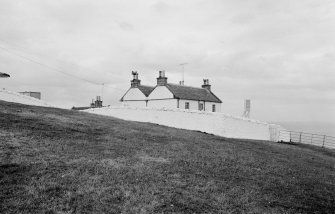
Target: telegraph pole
(102, 90)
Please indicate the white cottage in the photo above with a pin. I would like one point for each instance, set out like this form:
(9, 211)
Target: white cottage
(137, 94)
(168, 95)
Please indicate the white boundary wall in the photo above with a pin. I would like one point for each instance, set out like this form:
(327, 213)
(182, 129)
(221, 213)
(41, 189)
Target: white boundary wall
(15, 97)
(211, 122)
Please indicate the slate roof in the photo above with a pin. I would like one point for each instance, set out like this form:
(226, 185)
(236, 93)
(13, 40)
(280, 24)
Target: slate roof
(192, 93)
(183, 92)
(146, 90)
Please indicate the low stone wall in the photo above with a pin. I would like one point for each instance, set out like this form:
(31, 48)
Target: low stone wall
(211, 122)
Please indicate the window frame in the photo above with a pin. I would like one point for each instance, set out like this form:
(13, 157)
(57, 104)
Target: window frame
(187, 105)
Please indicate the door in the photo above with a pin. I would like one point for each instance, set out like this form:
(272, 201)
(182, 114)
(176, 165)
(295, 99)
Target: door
(201, 106)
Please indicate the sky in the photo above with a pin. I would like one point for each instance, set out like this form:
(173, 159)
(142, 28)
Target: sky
(278, 54)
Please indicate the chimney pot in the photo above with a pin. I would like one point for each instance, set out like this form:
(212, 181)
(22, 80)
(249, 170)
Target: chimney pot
(206, 85)
(161, 73)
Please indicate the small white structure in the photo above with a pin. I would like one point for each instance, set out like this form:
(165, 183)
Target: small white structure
(246, 112)
(171, 96)
(15, 97)
(36, 95)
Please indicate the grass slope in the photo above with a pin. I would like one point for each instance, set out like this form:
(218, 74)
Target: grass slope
(62, 161)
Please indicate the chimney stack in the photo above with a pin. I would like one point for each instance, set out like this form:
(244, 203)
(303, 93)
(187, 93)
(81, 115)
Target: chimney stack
(206, 85)
(98, 102)
(161, 80)
(135, 82)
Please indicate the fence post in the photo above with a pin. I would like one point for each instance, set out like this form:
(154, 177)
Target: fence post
(323, 143)
(300, 138)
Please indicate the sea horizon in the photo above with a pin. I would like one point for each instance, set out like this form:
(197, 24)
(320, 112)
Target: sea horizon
(321, 128)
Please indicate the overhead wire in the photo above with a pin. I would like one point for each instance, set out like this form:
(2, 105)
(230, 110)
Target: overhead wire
(48, 67)
(57, 69)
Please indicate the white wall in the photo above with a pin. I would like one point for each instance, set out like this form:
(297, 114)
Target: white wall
(160, 92)
(15, 97)
(170, 103)
(208, 106)
(161, 97)
(167, 103)
(194, 105)
(214, 123)
(134, 94)
(277, 135)
(137, 103)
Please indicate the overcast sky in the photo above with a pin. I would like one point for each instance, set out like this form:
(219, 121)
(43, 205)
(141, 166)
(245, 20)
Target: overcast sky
(279, 54)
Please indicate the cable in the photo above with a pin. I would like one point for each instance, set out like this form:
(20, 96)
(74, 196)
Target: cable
(49, 67)
(58, 70)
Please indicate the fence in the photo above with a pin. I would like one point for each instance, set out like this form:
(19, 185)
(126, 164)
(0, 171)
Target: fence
(309, 138)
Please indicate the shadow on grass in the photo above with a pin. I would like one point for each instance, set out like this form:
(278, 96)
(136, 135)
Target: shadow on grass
(13, 179)
(322, 150)
(11, 169)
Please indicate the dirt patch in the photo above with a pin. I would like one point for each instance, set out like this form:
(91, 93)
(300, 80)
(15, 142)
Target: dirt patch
(62, 119)
(115, 163)
(5, 133)
(27, 113)
(147, 158)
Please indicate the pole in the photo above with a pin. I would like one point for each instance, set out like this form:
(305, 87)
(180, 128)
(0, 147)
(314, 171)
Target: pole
(182, 66)
(300, 138)
(324, 139)
(102, 90)
(183, 75)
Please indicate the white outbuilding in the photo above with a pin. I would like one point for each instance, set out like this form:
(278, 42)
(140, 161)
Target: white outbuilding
(171, 96)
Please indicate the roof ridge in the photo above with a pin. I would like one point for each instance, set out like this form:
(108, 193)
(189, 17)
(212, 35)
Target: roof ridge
(148, 86)
(185, 86)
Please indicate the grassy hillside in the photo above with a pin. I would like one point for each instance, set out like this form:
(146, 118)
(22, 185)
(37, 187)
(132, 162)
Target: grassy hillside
(62, 161)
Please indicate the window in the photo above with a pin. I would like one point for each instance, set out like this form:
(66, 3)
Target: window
(187, 105)
(201, 106)
(213, 108)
